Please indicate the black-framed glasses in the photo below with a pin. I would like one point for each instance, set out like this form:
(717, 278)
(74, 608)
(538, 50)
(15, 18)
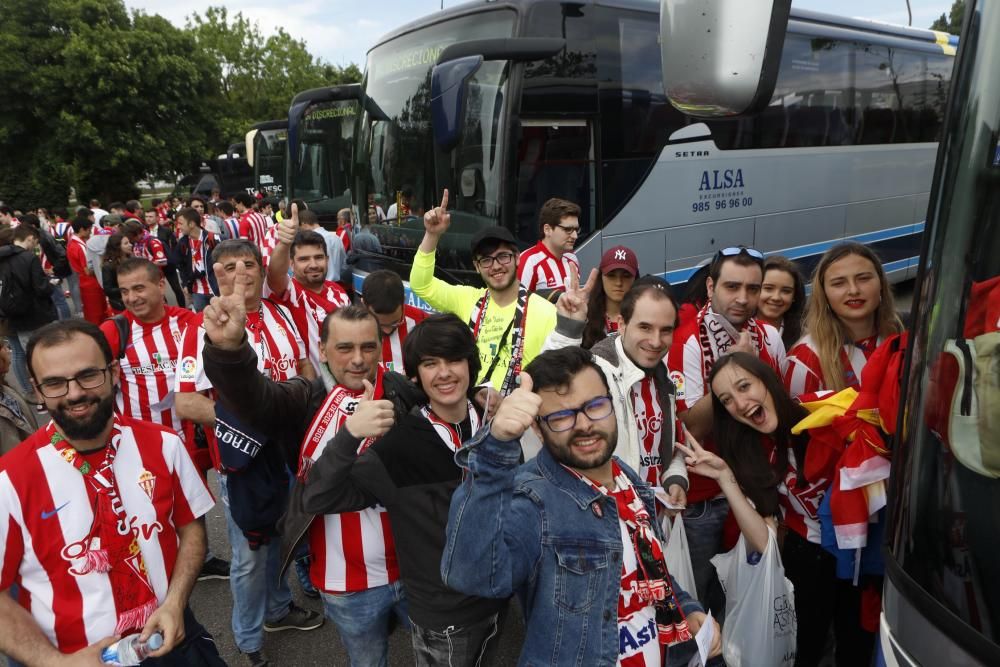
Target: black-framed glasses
(90, 378)
(569, 230)
(741, 250)
(504, 258)
(596, 409)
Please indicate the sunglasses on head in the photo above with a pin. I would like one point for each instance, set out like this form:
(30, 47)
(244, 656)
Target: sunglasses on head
(740, 250)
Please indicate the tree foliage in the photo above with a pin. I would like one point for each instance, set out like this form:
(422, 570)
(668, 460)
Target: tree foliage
(259, 75)
(953, 21)
(97, 98)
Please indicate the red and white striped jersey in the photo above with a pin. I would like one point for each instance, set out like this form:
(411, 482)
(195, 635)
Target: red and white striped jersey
(309, 309)
(46, 511)
(344, 237)
(268, 244)
(804, 372)
(638, 645)
(150, 248)
(392, 346)
(649, 420)
(149, 365)
(351, 551)
(63, 230)
(276, 343)
(538, 268)
(200, 285)
(253, 225)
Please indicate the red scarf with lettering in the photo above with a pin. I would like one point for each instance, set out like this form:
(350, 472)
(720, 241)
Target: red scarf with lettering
(654, 585)
(111, 546)
(339, 404)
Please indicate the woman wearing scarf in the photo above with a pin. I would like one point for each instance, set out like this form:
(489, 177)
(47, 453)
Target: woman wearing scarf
(762, 472)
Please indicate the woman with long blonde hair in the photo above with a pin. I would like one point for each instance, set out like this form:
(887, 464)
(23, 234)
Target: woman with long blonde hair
(850, 311)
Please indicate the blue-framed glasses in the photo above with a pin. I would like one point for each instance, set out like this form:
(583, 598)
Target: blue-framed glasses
(596, 409)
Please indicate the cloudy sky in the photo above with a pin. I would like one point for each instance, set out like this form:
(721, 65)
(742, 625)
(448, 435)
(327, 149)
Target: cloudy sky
(341, 31)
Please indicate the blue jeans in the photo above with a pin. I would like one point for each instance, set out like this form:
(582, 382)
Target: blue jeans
(362, 619)
(200, 301)
(703, 526)
(18, 345)
(259, 594)
(59, 301)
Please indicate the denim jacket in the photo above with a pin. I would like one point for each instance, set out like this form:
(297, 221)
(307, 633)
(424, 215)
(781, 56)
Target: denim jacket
(539, 532)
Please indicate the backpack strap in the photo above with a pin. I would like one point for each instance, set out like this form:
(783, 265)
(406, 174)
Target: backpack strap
(124, 329)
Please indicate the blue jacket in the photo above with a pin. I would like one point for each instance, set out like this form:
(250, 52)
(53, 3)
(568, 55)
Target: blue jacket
(533, 530)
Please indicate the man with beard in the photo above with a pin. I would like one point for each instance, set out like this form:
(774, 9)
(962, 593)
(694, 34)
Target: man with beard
(99, 518)
(572, 532)
(724, 324)
(308, 295)
(632, 362)
(509, 324)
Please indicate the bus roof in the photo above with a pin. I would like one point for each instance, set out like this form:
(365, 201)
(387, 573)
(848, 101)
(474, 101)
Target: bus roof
(869, 26)
(271, 125)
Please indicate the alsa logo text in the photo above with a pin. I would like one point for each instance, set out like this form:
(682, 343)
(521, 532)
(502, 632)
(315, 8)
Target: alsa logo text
(720, 179)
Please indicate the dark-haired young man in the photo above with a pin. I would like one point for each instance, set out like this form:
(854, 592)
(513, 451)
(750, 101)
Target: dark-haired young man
(336, 256)
(253, 225)
(93, 301)
(411, 471)
(31, 306)
(66, 492)
(545, 266)
(195, 249)
(230, 224)
(510, 325)
(724, 324)
(307, 294)
(354, 558)
(383, 295)
(144, 244)
(571, 532)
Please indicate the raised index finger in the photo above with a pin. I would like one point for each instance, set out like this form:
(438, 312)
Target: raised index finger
(240, 286)
(444, 200)
(225, 288)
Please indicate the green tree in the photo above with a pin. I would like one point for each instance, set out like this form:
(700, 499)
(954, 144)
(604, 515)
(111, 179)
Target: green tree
(97, 99)
(953, 21)
(259, 76)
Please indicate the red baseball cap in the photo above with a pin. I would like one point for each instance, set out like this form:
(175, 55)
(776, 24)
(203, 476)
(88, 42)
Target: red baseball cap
(620, 257)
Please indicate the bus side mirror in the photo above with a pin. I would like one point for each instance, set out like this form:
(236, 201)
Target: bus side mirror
(448, 91)
(721, 57)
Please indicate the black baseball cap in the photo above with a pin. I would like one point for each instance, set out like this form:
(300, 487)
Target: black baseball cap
(495, 233)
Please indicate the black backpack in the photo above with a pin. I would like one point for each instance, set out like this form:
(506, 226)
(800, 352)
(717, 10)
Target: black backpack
(56, 254)
(15, 300)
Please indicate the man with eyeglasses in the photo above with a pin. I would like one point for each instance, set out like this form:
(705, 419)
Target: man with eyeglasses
(100, 518)
(383, 295)
(510, 324)
(571, 532)
(724, 324)
(545, 266)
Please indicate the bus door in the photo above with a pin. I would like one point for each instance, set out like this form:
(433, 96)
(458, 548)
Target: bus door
(555, 158)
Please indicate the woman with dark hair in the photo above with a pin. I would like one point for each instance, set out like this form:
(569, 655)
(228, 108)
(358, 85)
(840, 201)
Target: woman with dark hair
(119, 248)
(782, 298)
(761, 473)
(850, 312)
(619, 269)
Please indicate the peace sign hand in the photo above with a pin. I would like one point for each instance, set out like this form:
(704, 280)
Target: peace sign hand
(573, 302)
(438, 219)
(701, 461)
(371, 418)
(225, 318)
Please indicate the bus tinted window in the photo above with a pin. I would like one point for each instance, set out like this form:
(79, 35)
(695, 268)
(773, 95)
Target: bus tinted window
(838, 93)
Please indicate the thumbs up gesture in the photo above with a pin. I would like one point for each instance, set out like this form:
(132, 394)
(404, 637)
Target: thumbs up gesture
(288, 227)
(517, 412)
(372, 418)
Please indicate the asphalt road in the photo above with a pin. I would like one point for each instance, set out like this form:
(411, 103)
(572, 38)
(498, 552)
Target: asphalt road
(212, 604)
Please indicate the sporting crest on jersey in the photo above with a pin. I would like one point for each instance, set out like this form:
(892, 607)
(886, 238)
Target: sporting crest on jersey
(147, 482)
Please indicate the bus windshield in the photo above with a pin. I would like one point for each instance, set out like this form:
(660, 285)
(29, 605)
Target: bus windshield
(321, 175)
(396, 150)
(269, 161)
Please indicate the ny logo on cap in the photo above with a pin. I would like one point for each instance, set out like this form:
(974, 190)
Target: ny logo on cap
(620, 254)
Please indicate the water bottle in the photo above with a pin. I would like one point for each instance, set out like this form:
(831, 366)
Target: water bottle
(129, 651)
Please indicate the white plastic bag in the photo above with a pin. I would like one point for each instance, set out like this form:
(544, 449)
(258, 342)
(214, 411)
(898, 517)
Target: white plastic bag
(678, 557)
(760, 608)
